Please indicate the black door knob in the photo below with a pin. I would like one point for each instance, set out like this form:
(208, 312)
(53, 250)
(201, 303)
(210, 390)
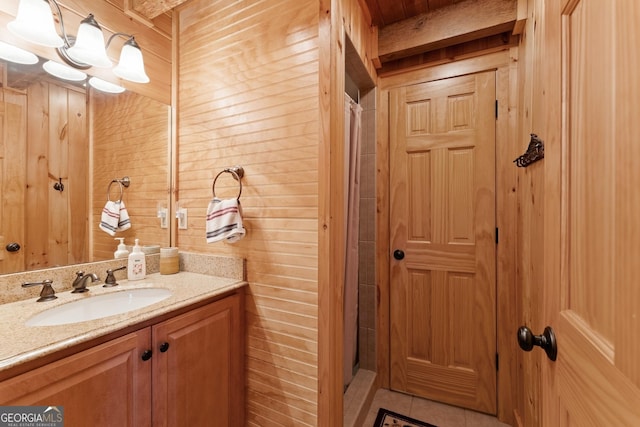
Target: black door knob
(146, 355)
(13, 247)
(164, 347)
(547, 341)
(398, 254)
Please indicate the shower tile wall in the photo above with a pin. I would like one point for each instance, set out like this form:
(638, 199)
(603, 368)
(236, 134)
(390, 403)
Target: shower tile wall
(367, 267)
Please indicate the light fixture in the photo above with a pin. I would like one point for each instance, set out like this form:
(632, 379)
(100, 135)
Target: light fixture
(105, 86)
(131, 66)
(88, 46)
(64, 71)
(34, 22)
(12, 53)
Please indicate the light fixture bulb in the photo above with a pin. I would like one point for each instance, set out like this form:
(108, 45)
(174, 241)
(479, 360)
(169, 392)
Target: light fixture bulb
(89, 46)
(12, 53)
(131, 65)
(34, 23)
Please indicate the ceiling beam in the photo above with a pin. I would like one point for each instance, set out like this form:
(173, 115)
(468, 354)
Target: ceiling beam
(458, 23)
(153, 8)
(521, 17)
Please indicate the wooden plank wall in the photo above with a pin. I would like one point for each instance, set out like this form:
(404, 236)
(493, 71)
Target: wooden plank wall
(248, 95)
(130, 137)
(13, 175)
(251, 85)
(338, 20)
(530, 229)
(56, 222)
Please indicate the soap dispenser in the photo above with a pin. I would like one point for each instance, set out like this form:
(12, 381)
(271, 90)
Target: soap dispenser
(137, 266)
(121, 251)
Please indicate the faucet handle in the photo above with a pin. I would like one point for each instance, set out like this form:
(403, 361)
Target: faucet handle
(47, 293)
(111, 279)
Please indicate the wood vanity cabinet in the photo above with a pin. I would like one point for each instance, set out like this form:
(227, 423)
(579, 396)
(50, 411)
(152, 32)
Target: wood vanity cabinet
(193, 375)
(106, 385)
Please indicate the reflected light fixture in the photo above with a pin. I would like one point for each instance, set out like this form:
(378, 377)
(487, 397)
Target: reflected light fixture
(64, 72)
(105, 86)
(35, 23)
(17, 55)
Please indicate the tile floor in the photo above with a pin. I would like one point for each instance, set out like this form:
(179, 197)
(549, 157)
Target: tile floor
(435, 413)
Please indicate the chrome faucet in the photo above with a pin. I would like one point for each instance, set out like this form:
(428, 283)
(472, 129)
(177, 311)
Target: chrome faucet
(80, 282)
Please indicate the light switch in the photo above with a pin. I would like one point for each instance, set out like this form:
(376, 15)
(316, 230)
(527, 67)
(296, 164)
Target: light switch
(162, 214)
(181, 214)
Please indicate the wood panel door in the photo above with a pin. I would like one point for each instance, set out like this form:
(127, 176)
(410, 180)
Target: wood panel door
(443, 302)
(590, 119)
(13, 153)
(198, 368)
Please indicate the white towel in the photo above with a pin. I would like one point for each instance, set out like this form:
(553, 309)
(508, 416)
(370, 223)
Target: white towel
(224, 221)
(114, 218)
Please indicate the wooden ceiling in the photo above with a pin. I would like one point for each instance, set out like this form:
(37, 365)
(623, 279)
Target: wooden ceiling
(416, 32)
(385, 12)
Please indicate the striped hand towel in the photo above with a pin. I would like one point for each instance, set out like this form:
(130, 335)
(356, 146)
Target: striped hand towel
(114, 218)
(224, 221)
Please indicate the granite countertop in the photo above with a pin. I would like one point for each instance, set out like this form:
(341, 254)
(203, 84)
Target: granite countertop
(21, 343)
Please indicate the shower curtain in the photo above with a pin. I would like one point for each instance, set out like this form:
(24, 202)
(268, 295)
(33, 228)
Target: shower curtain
(353, 113)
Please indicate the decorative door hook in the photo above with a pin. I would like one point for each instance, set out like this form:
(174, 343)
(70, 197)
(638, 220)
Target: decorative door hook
(535, 152)
(59, 186)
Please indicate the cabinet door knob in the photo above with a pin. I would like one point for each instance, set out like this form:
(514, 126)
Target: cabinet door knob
(164, 347)
(146, 355)
(13, 247)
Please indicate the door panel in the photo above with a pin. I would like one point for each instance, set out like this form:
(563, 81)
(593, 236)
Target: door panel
(592, 229)
(13, 177)
(442, 171)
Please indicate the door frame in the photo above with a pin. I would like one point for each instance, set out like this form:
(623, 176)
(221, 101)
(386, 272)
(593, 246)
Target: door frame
(508, 314)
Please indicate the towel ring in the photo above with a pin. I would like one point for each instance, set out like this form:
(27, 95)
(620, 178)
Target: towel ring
(124, 182)
(237, 172)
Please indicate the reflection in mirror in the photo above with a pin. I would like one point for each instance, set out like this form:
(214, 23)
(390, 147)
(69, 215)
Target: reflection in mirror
(61, 145)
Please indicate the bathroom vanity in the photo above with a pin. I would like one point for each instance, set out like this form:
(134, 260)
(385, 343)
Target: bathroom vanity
(176, 362)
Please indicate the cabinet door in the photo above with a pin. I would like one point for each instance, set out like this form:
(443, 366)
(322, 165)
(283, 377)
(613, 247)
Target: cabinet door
(198, 380)
(107, 385)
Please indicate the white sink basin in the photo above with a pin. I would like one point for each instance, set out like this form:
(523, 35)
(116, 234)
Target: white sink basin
(99, 306)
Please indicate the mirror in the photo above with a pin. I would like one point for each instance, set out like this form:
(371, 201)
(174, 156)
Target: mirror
(61, 146)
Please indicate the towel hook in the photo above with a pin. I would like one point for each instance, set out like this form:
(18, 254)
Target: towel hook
(59, 186)
(535, 152)
(123, 183)
(237, 172)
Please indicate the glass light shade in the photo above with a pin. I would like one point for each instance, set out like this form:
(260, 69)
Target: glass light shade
(34, 23)
(89, 46)
(15, 54)
(105, 86)
(131, 65)
(63, 71)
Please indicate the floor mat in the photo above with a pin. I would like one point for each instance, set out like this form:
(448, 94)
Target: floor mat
(387, 418)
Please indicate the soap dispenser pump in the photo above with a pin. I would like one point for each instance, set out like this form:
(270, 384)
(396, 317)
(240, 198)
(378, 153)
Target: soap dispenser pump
(137, 266)
(121, 251)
